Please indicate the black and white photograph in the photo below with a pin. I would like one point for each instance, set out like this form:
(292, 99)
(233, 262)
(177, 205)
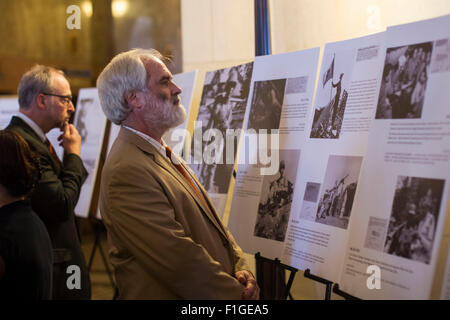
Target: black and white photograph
(85, 124)
(311, 192)
(310, 198)
(267, 104)
(81, 118)
(276, 198)
(338, 190)
(332, 95)
(90, 122)
(376, 233)
(222, 107)
(404, 82)
(297, 85)
(414, 216)
(441, 52)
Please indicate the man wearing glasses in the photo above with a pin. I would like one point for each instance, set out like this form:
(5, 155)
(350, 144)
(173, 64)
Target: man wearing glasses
(45, 101)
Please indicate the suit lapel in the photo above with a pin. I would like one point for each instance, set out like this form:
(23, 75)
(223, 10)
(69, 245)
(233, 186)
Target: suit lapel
(34, 140)
(165, 164)
(205, 195)
(207, 209)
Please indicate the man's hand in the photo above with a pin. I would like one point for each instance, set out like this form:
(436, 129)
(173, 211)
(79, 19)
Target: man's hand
(251, 291)
(70, 139)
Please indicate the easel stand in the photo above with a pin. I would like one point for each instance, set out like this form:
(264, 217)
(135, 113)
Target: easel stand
(327, 283)
(343, 294)
(99, 229)
(328, 287)
(273, 271)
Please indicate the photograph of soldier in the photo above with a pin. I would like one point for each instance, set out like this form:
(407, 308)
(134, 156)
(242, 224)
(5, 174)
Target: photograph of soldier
(276, 198)
(222, 107)
(414, 216)
(81, 118)
(405, 75)
(87, 117)
(338, 190)
(332, 98)
(267, 103)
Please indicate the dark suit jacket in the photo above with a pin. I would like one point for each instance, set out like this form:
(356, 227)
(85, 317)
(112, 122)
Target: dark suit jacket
(54, 201)
(27, 251)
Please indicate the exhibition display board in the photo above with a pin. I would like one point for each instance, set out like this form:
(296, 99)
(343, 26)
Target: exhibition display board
(9, 105)
(340, 170)
(277, 113)
(336, 141)
(90, 121)
(400, 208)
(371, 185)
(217, 129)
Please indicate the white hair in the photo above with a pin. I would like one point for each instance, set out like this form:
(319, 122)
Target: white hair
(125, 73)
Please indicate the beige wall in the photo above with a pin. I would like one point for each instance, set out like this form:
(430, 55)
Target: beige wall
(302, 24)
(150, 24)
(217, 34)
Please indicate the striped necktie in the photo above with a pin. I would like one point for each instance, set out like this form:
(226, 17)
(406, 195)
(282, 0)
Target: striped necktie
(52, 151)
(184, 173)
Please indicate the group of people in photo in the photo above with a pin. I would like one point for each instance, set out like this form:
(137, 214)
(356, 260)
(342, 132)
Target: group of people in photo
(412, 225)
(404, 82)
(222, 107)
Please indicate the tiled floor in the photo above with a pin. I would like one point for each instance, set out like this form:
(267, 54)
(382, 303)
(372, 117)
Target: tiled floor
(102, 288)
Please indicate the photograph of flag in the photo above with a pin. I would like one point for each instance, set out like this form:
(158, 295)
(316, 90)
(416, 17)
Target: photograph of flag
(329, 74)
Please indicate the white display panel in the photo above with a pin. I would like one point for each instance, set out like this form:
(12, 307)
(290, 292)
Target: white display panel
(90, 122)
(336, 141)
(222, 108)
(264, 196)
(401, 204)
(9, 105)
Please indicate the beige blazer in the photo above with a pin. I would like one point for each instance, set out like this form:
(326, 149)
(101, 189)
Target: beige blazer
(165, 242)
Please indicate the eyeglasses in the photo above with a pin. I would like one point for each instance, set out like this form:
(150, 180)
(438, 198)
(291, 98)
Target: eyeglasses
(67, 100)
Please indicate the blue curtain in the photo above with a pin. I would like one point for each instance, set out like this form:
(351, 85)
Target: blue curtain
(262, 28)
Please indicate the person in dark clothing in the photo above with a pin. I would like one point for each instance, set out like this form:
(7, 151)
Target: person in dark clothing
(25, 247)
(45, 100)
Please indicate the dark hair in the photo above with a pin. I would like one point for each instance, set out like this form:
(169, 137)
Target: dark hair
(19, 167)
(35, 81)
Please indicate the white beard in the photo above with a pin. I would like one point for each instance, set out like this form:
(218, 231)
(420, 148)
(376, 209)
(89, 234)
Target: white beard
(164, 115)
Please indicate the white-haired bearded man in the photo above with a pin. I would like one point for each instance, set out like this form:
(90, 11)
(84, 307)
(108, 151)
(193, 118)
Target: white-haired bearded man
(167, 241)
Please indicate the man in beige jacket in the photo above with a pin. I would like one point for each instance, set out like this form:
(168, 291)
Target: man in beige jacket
(167, 241)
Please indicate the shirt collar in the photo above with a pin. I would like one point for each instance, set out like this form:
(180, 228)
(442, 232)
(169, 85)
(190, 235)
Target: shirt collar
(160, 147)
(33, 125)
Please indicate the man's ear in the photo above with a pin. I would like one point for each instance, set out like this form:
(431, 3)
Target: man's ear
(40, 101)
(134, 99)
